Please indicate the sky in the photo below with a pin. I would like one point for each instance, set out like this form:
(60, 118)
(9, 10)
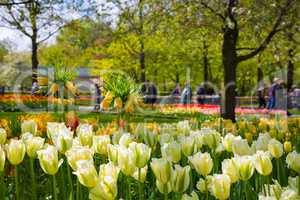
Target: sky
(18, 40)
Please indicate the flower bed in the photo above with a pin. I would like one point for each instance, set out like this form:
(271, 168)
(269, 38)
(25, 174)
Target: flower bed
(257, 159)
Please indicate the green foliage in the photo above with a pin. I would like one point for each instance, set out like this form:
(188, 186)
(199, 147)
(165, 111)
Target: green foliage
(120, 85)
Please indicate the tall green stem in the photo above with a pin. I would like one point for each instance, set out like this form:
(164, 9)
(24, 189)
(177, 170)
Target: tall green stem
(34, 194)
(77, 190)
(70, 181)
(299, 184)
(17, 183)
(2, 185)
(128, 185)
(278, 171)
(141, 191)
(165, 196)
(54, 187)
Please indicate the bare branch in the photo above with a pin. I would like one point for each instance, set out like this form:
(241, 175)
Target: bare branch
(272, 33)
(205, 5)
(15, 3)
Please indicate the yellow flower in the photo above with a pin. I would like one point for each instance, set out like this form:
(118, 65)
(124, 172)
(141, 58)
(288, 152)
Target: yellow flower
(220, 186)
(292, 160)
(86, 173)
(33, 145)
(48, 158)
(140, 174)
(85, 134)
(227, 142)
(29, 126)
(171, 152)
(106, 189)
(202, 163)
(180, 178)
(193, 196)
(15, 151)
(3, 136)
(275, 148)
(78, 153)
(164, 188)
(2, 159)
(288, 146)
(100, 144)
(112, 152)
(230, 168)
(141, 152)
(188, 145)
(162, 169)
(263, 163)
(245, 167)
(240, 146)
(118, 103)
(126, 160)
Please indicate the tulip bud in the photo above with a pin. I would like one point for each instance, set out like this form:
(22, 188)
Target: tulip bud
(118, 103)
(126, 160)
(202, 185)
(202, 163)
(165, 138)
(245, 167)
(3, 136)
(110, 170)
(164, 188)
(2, 159)
(140, 174)
(100, 144)
(211, 137)
(262, 163)
(262, 142)
(275, 148)
(180, 179)
(220, 186)
(188, 145)
(125, 139)
(227, 142)
(142, 153)
(198, 138)
(171, 152)
(85, 134)
(15, 151)
(292, 160)
(193, 196)
(29, 126)
(240, 146)
(162, 169)
(112, 151)
(150, 138)
(230, 168)
(78, 153)
(63, 140)
(33, 145)
(288, 146)
(48, 158)
(86, 173)
(106, 189)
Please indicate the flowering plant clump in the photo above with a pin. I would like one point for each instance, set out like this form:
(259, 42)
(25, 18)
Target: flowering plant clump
(152, 161)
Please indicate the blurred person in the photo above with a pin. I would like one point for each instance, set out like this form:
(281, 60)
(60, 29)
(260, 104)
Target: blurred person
(272, 94)
(176, 91)
(152, 92)
(187, 93)
(200, 94)
(35, 87)
(97, 95)
(261, 98)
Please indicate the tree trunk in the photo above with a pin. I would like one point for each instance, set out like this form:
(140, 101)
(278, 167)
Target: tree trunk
(290, 70)
(34, 58)
(260, 74)
(142, 65)
(205, 62)
(230, 62)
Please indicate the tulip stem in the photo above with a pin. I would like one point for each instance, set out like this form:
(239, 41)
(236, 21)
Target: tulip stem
(299, 184)
(278, 171)
(128, 187)
(2, 185)
(70, 181)
(78, 190)
(141, 191)
(54, 187)
(165, 196)
(17, 183)
(31, 162)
